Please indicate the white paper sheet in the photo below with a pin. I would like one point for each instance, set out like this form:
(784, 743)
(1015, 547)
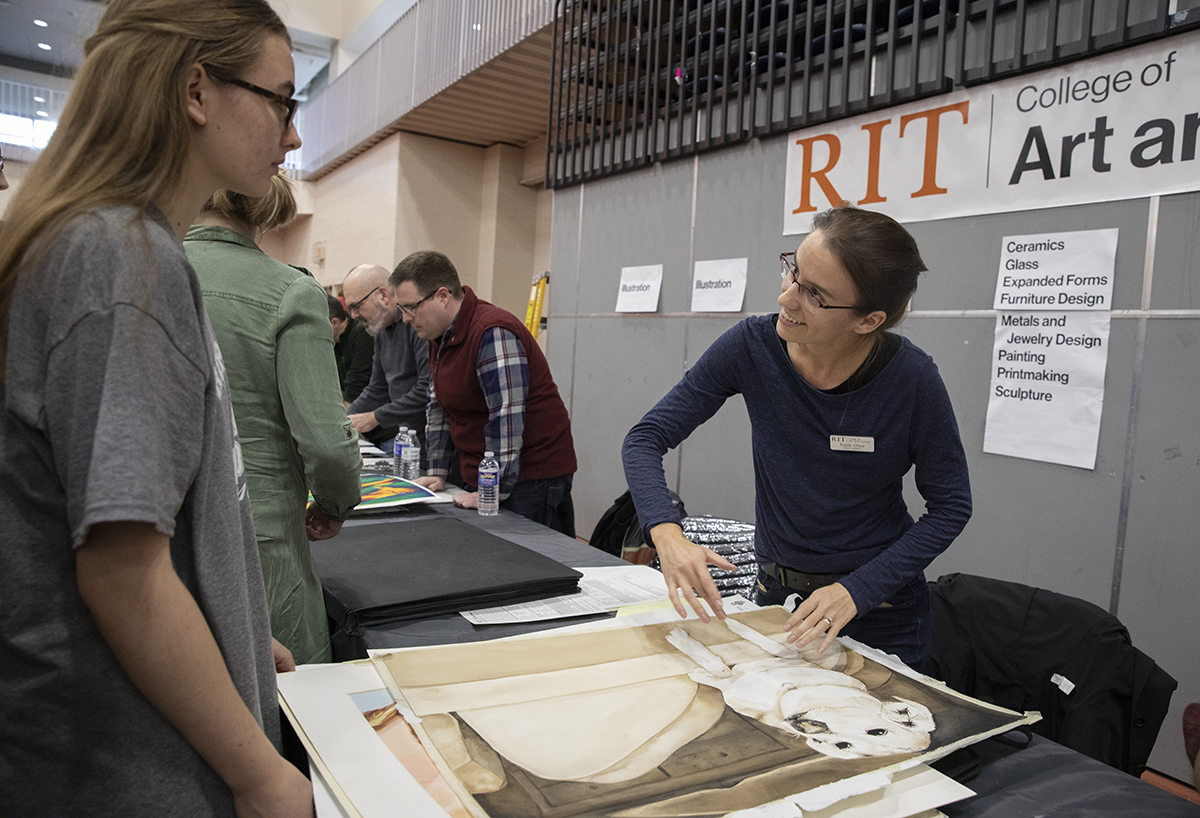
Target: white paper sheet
(1046, 397)
(1057, 271)
(910, 792)
(639, 288)
(1050, 354)
(719, 285)
(326, 805)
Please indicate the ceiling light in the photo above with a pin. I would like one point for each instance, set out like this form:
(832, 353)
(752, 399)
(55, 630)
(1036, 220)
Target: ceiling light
(42, 113)
(39, 99)
(477, 27)
(44, 46)
(41, 23)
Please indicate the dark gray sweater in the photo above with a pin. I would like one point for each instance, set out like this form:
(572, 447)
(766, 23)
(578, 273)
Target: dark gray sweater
(399, 386)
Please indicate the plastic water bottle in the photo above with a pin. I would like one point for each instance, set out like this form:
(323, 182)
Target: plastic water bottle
(489, 485)
(398, 451)
(410, 466)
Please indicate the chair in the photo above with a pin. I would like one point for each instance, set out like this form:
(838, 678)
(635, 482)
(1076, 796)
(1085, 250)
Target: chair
(1191, 738)
(619, 532)
(1028, 648)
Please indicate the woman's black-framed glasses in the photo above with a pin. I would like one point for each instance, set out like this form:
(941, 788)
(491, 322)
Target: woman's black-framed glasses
(787, 270)
(287, 104)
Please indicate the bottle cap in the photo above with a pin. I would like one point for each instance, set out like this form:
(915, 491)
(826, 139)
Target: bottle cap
(489, 454)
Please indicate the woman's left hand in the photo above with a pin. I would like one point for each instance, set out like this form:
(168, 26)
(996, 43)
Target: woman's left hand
(317, 524)
(826, 611)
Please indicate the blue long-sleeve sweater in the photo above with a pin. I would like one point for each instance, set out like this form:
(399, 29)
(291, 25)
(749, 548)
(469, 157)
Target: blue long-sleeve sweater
(819, 510)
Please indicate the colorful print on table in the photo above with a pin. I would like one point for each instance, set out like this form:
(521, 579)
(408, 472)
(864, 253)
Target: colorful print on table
(383, 491)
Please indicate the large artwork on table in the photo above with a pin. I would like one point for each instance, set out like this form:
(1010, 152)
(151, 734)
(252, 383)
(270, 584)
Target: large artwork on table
(383, 491)
(670, 719)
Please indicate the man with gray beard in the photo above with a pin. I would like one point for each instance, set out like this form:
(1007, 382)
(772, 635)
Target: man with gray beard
(399, 387)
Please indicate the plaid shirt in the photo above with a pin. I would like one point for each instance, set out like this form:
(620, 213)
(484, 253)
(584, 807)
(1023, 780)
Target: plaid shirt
(503, 373)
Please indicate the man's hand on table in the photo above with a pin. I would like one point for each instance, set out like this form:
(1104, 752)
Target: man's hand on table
(431, 483)
(466, 500)
(364, 422)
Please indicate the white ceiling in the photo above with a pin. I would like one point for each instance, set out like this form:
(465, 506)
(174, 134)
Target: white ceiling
(506, 101)
(70, 22)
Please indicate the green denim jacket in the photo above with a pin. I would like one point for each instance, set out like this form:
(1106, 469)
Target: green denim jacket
(271, 322)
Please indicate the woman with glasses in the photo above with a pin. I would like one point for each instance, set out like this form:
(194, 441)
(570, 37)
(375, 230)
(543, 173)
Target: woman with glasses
(137, 668)
(277, 344)
(840, 410)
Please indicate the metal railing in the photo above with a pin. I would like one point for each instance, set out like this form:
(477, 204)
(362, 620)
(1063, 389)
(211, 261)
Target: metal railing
(28, 113)
(642, 81)
(432, 46)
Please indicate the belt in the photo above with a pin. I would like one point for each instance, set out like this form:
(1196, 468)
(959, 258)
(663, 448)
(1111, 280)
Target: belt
(798, 580)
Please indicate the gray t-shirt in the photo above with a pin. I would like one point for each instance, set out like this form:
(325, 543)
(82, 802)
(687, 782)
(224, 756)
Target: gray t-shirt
(116, 408)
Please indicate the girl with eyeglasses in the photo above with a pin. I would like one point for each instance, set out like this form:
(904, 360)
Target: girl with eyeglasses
(137, 668)
(840, 410)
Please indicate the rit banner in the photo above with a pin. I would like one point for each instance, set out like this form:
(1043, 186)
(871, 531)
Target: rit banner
(1120, 126)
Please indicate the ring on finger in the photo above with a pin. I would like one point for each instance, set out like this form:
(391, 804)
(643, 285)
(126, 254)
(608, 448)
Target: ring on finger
(827, 619)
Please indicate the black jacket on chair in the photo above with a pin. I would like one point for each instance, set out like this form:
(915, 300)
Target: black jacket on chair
(1024, 648)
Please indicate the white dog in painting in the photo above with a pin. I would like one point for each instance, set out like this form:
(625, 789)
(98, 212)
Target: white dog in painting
(834, 713)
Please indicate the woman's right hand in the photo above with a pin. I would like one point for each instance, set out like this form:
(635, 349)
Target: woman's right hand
(685, 569)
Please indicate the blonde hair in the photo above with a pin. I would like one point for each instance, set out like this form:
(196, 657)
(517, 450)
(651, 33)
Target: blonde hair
(124, 133)
(264, 213)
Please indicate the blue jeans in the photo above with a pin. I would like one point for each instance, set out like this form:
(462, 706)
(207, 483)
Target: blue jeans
(544, 501)
(903, 625)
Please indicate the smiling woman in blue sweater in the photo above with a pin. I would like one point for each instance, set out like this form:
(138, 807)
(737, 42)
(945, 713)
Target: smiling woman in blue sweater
(840, 410)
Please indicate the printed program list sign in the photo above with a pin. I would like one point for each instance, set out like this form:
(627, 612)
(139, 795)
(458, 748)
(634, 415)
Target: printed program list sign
(1054, 296)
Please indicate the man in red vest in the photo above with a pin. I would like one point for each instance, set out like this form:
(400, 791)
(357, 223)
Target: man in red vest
(491, 390)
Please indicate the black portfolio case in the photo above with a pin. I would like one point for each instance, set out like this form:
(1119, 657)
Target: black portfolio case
(379, 573)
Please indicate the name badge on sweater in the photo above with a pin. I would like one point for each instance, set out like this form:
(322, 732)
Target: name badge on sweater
(851, 443)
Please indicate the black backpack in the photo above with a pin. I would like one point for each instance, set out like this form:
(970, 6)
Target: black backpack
(618, 531)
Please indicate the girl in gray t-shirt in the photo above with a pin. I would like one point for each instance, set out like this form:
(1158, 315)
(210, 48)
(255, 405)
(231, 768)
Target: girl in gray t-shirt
(136, 662)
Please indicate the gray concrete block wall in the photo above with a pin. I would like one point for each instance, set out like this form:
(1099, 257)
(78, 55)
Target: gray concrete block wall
(1041, 524)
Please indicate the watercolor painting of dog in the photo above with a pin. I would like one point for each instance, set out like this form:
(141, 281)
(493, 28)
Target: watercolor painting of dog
(669, 719)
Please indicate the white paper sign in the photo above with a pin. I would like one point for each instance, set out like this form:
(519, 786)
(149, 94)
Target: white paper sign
(719, 285)
(1097, 130)
(1047, 389)
(638, 291)
(1057, 271)
(1048, 361)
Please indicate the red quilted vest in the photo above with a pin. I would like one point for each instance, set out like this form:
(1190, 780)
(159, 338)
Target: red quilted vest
(547, 449)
